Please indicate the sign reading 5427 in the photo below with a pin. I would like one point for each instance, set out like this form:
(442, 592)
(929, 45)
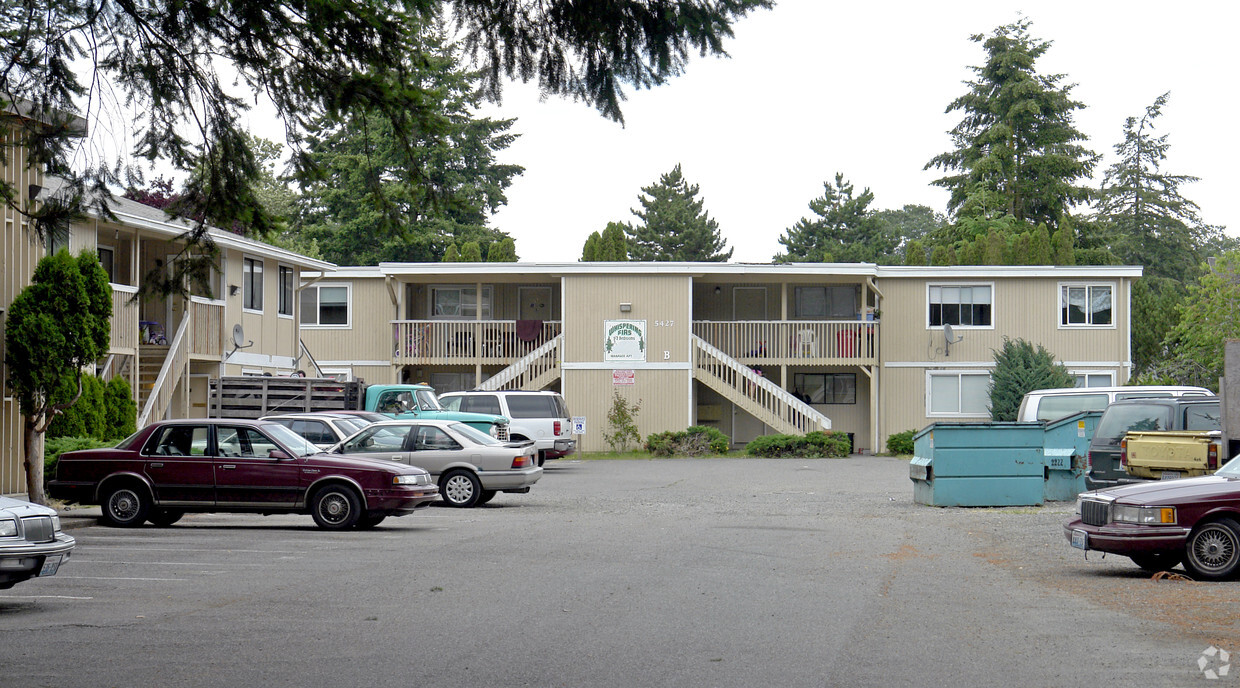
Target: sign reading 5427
(664, 323)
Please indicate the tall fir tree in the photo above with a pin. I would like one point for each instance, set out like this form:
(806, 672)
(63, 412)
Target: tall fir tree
(844, 231)
(1151, 223)
(1017, 151)
(674, 226)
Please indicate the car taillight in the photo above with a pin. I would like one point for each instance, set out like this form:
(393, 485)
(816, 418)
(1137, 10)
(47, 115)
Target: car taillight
(1123, 452)
(522, 461)
(557, 428)
(1212, 456)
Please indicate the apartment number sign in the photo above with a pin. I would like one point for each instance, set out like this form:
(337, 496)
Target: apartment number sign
(624, 340)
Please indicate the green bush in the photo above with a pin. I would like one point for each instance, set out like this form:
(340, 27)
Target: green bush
(695, 441)
(53, 447)
(812, 445)
(901, 442)
(622, 419)
(120, 411)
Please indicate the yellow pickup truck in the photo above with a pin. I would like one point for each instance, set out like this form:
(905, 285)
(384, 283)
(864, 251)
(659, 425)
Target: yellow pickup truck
(1170, 454)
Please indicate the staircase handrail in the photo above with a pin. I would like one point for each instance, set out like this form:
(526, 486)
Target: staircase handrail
(161, 391)
(798, 409)
(521, 365)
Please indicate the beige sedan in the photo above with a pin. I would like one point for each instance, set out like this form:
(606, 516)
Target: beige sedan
(469, 465)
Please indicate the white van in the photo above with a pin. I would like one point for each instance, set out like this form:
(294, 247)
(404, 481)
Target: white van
(1049, 404)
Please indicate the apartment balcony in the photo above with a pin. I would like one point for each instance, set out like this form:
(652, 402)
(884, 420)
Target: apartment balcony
(794, 342)
(486, 342)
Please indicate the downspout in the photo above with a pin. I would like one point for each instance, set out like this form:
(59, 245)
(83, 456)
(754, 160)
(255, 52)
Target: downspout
(875, 376)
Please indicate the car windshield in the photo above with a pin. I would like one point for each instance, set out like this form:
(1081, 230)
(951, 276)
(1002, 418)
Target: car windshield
(1231, 469)
(427, 401)
(1119, 420)
(473, 434)
(298, 444)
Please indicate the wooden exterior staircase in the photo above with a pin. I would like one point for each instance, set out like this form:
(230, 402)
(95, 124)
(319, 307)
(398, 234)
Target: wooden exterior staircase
(756, 395)
(534, 371)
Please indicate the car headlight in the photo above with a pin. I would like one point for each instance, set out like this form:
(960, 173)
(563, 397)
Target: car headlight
(412, 479)
(56, 524)
(8, 527)
(1144, 515)
(494, 430)
(1078, 506)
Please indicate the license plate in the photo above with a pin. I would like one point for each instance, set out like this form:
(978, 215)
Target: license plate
(1080, 539)
(1170, 475)
(50, 565)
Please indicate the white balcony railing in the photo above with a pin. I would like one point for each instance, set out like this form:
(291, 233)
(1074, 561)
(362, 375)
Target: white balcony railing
(793, 341)
(472, 341)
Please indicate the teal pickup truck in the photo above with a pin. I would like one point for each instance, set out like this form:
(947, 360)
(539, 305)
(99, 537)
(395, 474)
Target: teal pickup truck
(256, 397)
(420, 401)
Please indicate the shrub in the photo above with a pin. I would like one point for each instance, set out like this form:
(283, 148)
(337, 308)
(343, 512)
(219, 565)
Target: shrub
(901, 442)
(1021, 367)
(622, 419)
(53, 447)
(812, 445)
(120, 411)
(695, 441)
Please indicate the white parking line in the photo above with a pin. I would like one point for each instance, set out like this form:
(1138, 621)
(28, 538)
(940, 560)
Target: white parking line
(128, 579)
(42, 597)
(79, 559)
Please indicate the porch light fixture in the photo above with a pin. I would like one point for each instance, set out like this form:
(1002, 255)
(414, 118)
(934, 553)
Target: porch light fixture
(626, 307)
(718, 290)
(233, 289)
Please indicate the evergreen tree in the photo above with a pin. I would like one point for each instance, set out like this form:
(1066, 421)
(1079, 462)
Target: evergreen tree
(674, 226)
(1019, 369)
(452, 254)
(358, 212)
(614, 243)
(1153, 223)
(589, 252)
(845, 231)
(1155, 313)
(502, 251)
(346, 61)
(471, 252)
(915, 253)
(1017, 151)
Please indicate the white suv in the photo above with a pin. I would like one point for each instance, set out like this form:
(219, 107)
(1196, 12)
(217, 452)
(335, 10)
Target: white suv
(539, 416)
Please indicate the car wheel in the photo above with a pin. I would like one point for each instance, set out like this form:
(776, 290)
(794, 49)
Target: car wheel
(369, 521)
(486, 496)
(336, 507)
(125, 506)
(1212, 551)
(1155, 562)
(165, 517)
(460, 488)
(542, 457)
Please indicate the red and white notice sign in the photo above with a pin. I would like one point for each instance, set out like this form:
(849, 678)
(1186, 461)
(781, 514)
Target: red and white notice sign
(622, 377)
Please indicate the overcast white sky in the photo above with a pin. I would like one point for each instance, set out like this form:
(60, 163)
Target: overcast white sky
(816, 87)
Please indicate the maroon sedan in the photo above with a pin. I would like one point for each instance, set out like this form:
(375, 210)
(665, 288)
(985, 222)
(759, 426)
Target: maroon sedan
(231, 465)
(1163, 523)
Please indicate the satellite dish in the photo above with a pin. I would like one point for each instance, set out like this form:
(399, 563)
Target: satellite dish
(949, 337)
(239, 340)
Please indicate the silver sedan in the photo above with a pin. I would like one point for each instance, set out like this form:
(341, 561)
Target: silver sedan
(469, 465)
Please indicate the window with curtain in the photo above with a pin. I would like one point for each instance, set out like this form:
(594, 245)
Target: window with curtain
(1085, 305)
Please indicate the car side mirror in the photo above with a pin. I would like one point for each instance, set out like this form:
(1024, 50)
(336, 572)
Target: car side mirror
(278, 454)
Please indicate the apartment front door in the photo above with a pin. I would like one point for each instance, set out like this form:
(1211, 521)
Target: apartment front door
(535, 303)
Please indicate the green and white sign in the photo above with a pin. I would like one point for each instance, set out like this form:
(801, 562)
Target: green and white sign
(624, 340)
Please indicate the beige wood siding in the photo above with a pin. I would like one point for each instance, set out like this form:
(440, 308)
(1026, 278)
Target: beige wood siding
(1023, 307)
(662, 383)
(664, 396)
(19, 252)
(369, 335)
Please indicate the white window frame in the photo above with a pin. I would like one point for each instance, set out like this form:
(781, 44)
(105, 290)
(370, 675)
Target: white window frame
(1085, 373)
(292, 283)
(246, 279)
(949, 284)
(487, 298)
(340, 374)
(348, 304)
(1059, 312)
(931, 374)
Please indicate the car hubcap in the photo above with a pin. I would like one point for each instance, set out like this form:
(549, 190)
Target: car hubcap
(334, 508)
(124, 505)
(460, 489)
(1214, 549)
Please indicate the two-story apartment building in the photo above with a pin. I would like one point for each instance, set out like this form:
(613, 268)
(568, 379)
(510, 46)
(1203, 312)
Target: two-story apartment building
(246, 322)
(748, 348)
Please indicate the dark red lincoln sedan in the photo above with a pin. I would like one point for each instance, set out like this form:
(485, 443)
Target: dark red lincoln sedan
(1163, 523)
(232, 465)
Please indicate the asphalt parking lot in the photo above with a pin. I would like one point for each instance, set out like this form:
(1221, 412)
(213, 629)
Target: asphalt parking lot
(716, 572)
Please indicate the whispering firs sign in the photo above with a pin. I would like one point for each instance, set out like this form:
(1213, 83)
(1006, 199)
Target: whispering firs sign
(624, 340)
